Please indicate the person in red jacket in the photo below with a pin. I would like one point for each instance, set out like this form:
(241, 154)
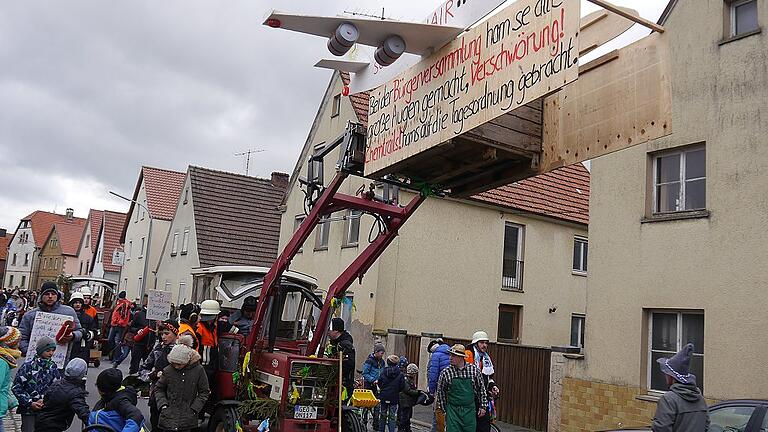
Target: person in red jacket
(121, 316)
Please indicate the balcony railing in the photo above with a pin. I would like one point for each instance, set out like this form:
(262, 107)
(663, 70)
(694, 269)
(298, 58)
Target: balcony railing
(512, 275)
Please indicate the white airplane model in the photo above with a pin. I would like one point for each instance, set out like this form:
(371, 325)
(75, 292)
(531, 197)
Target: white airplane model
(378, 44)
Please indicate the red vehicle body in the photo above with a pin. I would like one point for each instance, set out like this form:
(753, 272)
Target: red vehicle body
(281, 358)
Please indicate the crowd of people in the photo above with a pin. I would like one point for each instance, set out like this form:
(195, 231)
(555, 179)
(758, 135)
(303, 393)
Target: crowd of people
(175, 358)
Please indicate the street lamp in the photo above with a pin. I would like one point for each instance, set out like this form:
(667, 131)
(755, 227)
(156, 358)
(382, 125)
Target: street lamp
(149, 241)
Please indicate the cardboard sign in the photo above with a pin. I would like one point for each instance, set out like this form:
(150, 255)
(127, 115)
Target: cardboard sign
(527, 50)
(158, 305)
(48, 324)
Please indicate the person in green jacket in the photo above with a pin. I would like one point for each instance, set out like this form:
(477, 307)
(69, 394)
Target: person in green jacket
(9, 353)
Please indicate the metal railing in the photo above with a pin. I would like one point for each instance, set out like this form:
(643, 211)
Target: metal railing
(512, 275)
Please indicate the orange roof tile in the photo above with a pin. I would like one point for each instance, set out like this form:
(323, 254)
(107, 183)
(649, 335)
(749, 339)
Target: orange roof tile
(43, 221)
(113, 225)
(163, 190)
(561, 194)
(69, 233)
(5, 241)
(359, 101)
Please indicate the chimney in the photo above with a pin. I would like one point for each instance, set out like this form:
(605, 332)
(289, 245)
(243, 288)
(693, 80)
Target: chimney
(280, 180)
(70, 214)
(2, 232)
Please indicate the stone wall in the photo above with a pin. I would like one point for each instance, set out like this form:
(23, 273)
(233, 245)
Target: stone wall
(590, 406)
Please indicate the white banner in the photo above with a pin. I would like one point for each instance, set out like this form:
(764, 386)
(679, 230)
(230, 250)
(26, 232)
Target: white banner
(158, 305)
(48, 324)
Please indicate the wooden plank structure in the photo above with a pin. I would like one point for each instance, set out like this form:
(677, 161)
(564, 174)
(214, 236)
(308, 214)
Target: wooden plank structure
(619, 100)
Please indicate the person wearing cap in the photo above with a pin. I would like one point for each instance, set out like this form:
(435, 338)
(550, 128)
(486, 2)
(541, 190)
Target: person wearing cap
(32, 381)
(65, 399)
(82, 349)
(682, 408)
(182, 391)
(9, 355)
(461, 396)
(439, 359)
(50, 301)
(243, 319)
(391, 383)
(87, 304)
(409, 397)
(342, 344)
(157, 360)
(372, 368)
(117, 406)
(477, 354)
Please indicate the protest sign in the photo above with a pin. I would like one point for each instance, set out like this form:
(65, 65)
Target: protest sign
(159, 305)
(48, 324)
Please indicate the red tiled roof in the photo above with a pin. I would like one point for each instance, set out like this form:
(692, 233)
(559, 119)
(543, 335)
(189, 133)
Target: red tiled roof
(5, 241)
(43, 221)
(113, 226)
(95, 217)
(561, 194)
(69, 233)
(236, 217)
(359, 101)
(163, 190)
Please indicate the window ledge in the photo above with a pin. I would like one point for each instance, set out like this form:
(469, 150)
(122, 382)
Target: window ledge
(324, 248)
(183, 253)
(349, 246)
(579, 273)
(651, 397)
(173, 253)
(574, 356)
(663, 217)
(739, 36)
(517, 290)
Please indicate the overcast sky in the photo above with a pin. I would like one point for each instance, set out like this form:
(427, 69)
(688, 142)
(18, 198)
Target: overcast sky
(93, 90)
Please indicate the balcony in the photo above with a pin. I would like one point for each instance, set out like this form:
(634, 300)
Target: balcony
(512, 275)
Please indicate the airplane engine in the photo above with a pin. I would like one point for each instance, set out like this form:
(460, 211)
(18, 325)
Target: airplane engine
(343, 38)
(390, 50)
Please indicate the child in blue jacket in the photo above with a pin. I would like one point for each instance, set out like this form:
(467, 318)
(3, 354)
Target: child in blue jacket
(117, 406)
(32, 381)
(391, 383)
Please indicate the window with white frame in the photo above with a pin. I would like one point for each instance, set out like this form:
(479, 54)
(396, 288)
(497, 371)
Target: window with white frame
(315, 170)
(512, 267)
(680, 180)
(141, 250)
(336, 107)
(54, 242)
(23, 281)
(297, 221)
(743, 17)
(139, 284)
(13, 261)
(577, 330)
(352, 227)
(10, 281)
(183, 294)
(125, 283)
(669, 331)
(185, 242)
(580, 246)
(175, 246)
(130, 250)
(346, 308)
(323, 232)
(26, 259)
(167, 285)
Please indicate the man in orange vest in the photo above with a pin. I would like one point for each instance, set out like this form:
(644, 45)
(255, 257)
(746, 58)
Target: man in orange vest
(188, 322)
(207, 329)
(87, 307)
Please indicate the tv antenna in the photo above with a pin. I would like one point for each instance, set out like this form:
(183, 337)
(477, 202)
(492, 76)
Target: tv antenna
(247, 155)
(367, 15)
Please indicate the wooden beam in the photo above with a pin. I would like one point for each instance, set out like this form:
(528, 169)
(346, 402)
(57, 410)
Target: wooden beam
(640, 20)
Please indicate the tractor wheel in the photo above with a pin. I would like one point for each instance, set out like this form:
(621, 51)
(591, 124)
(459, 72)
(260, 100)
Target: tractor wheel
(223, 420)
(351, 422)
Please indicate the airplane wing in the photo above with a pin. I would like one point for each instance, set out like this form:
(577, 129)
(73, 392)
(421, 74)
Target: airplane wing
(342, 65)
(419, 38)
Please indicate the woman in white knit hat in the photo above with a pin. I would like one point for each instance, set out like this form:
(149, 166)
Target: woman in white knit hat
(182, 390)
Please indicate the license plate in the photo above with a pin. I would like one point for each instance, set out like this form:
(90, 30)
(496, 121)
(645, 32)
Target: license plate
(304, 412)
